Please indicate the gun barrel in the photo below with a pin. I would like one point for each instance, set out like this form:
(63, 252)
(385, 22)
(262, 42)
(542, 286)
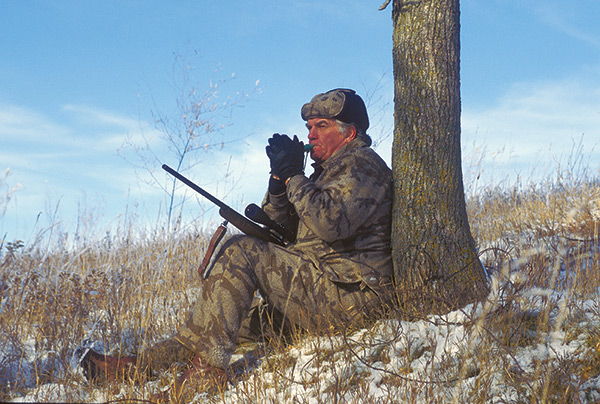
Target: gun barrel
(194, 187)
(236, 219)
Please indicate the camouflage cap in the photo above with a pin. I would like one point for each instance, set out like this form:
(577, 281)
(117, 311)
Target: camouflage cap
(342, 104)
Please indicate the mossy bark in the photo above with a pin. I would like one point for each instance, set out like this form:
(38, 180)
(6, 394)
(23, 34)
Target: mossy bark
(436, 264)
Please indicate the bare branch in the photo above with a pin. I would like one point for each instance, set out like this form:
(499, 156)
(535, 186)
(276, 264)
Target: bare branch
(384, 5)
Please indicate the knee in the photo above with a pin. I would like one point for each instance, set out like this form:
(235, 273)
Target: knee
(240, 248)
(241, 242)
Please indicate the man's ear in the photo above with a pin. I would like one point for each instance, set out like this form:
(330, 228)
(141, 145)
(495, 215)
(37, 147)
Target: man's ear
(351, 133)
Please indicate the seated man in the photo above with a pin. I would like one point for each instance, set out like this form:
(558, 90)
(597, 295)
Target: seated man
(335, 275)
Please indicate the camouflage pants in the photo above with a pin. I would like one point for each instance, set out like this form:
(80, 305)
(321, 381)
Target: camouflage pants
(292, 287)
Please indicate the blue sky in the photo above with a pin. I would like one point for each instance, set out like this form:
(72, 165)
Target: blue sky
(80, 79)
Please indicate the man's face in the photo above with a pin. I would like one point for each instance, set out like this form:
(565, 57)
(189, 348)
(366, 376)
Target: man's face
(326, 138)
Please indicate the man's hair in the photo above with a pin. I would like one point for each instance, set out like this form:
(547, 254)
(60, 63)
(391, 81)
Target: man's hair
(343, 127)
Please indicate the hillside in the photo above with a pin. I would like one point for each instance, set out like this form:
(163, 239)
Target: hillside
(535, 340)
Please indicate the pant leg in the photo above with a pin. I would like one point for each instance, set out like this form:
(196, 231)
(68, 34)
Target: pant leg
(307, 298)
(264, 323)
(291, 284)
(224, 302)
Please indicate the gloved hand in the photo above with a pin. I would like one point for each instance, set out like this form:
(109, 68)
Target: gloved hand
(276, 186)
(286, 156)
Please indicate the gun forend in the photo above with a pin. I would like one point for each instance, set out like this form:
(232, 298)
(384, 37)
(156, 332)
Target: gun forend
(254, 212)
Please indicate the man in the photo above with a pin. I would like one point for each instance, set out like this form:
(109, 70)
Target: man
(335, 275)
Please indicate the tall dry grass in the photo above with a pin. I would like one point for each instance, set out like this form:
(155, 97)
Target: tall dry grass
(118, 294)
(540, 242)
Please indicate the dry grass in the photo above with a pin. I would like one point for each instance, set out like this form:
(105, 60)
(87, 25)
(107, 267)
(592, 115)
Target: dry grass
(121, 297)
(537, 340)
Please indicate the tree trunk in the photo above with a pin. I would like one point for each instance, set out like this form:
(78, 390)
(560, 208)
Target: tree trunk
(437, 268)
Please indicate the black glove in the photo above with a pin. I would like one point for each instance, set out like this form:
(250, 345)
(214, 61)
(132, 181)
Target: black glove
(276, 186)
(286, 156)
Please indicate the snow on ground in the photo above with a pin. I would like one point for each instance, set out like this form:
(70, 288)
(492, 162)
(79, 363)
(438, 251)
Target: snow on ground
(451, 358)
(424, 352)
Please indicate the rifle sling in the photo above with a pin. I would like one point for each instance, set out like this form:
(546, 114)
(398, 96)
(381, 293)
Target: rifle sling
(212, 245)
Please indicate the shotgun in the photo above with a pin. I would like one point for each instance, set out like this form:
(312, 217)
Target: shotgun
(243, 224)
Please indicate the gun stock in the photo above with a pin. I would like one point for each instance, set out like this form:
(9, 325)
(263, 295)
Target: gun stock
(245, 225)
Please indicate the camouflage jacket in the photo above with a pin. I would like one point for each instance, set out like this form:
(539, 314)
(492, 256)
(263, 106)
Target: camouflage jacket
(342, 214)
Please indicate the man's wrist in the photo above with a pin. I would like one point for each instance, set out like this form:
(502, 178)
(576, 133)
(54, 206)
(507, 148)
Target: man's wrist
(276, 185)
(287, 174)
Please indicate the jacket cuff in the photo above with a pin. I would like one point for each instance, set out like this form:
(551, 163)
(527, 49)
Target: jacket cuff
(294, 183)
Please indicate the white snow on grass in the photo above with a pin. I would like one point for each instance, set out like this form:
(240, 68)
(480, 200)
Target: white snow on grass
(446, 358)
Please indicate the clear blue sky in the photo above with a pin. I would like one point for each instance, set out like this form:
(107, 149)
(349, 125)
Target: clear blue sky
(78, 78)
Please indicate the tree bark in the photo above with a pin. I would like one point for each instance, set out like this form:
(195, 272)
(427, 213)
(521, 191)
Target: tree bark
(436, 264)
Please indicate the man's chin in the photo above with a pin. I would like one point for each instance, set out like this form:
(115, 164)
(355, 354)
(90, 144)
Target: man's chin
(316, 159)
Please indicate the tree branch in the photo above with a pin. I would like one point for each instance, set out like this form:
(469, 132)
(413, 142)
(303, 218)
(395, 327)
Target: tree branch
(384, 5)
